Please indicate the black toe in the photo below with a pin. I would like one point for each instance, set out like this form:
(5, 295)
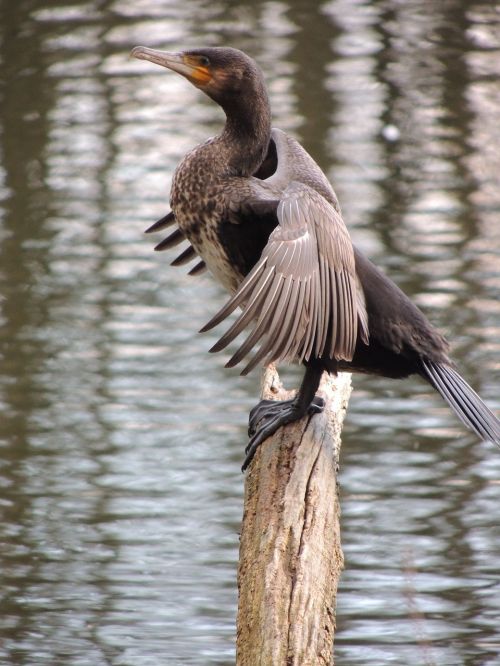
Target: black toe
(269, 415)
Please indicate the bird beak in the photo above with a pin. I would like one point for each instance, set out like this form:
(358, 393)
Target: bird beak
(178, 62)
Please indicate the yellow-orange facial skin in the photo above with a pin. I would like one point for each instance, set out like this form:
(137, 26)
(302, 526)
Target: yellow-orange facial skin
(200, 74)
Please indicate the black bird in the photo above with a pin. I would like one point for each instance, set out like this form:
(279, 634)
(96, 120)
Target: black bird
(266, 223)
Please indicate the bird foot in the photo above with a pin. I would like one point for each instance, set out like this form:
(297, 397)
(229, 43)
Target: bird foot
(269, 415)
(267, 409)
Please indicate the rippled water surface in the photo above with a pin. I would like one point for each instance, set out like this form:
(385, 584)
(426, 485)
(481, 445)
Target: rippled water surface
(121, 438)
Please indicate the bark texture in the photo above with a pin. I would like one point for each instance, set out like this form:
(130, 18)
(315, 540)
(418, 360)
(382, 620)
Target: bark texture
(290, 552)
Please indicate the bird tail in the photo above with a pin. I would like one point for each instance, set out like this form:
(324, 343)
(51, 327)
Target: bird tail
(464, 401)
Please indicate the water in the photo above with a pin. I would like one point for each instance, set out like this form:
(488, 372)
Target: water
(121, 438)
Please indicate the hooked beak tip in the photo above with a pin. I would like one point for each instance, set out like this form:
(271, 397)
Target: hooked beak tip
(137, 52)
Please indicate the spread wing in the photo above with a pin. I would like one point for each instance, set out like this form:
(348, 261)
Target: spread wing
(302, 298)
(174, 239)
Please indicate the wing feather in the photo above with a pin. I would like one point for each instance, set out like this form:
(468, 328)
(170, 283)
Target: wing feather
(343, 314)
(261, 327)
(239, 297)
(164, 222)
(184, 257)
(295, 335)
(269, 343)
(199, 268)
(324, 304)
(302, 297)
(311, 301)
(250, 311)
(172, 240)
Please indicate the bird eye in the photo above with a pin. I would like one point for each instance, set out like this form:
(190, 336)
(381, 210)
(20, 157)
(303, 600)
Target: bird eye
(204, 61)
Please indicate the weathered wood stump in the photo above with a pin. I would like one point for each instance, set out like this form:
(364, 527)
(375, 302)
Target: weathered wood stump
(290, 551)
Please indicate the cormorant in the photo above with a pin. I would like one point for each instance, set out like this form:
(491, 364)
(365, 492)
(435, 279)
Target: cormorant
(266, 223)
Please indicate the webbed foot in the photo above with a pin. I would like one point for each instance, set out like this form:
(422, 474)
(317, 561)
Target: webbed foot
(269, 415)
(267, 409)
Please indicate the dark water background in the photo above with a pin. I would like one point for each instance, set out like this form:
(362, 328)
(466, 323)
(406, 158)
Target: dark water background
(121, 438)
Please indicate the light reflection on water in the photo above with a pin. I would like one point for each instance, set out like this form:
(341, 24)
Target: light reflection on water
(120, 484)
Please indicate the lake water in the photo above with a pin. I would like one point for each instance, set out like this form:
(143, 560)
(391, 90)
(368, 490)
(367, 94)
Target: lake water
(121, 439)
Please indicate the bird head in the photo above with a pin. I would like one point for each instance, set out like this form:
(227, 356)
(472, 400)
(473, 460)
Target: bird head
(222, 73)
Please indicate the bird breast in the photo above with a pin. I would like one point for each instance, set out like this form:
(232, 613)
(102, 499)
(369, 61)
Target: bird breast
(198, 202)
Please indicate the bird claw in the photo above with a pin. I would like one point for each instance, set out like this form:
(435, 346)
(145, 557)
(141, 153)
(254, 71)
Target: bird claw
(316, 406)
(267, 409)
(264, 410)
(269, 415)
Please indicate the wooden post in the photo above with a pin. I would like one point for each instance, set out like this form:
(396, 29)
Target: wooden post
(290, 552)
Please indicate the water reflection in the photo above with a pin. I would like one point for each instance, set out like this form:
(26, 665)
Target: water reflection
(121, 497)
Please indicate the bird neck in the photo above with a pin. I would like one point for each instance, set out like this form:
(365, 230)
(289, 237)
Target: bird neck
(246, 135)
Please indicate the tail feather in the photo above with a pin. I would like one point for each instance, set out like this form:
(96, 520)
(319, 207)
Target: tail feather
(464, 401)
